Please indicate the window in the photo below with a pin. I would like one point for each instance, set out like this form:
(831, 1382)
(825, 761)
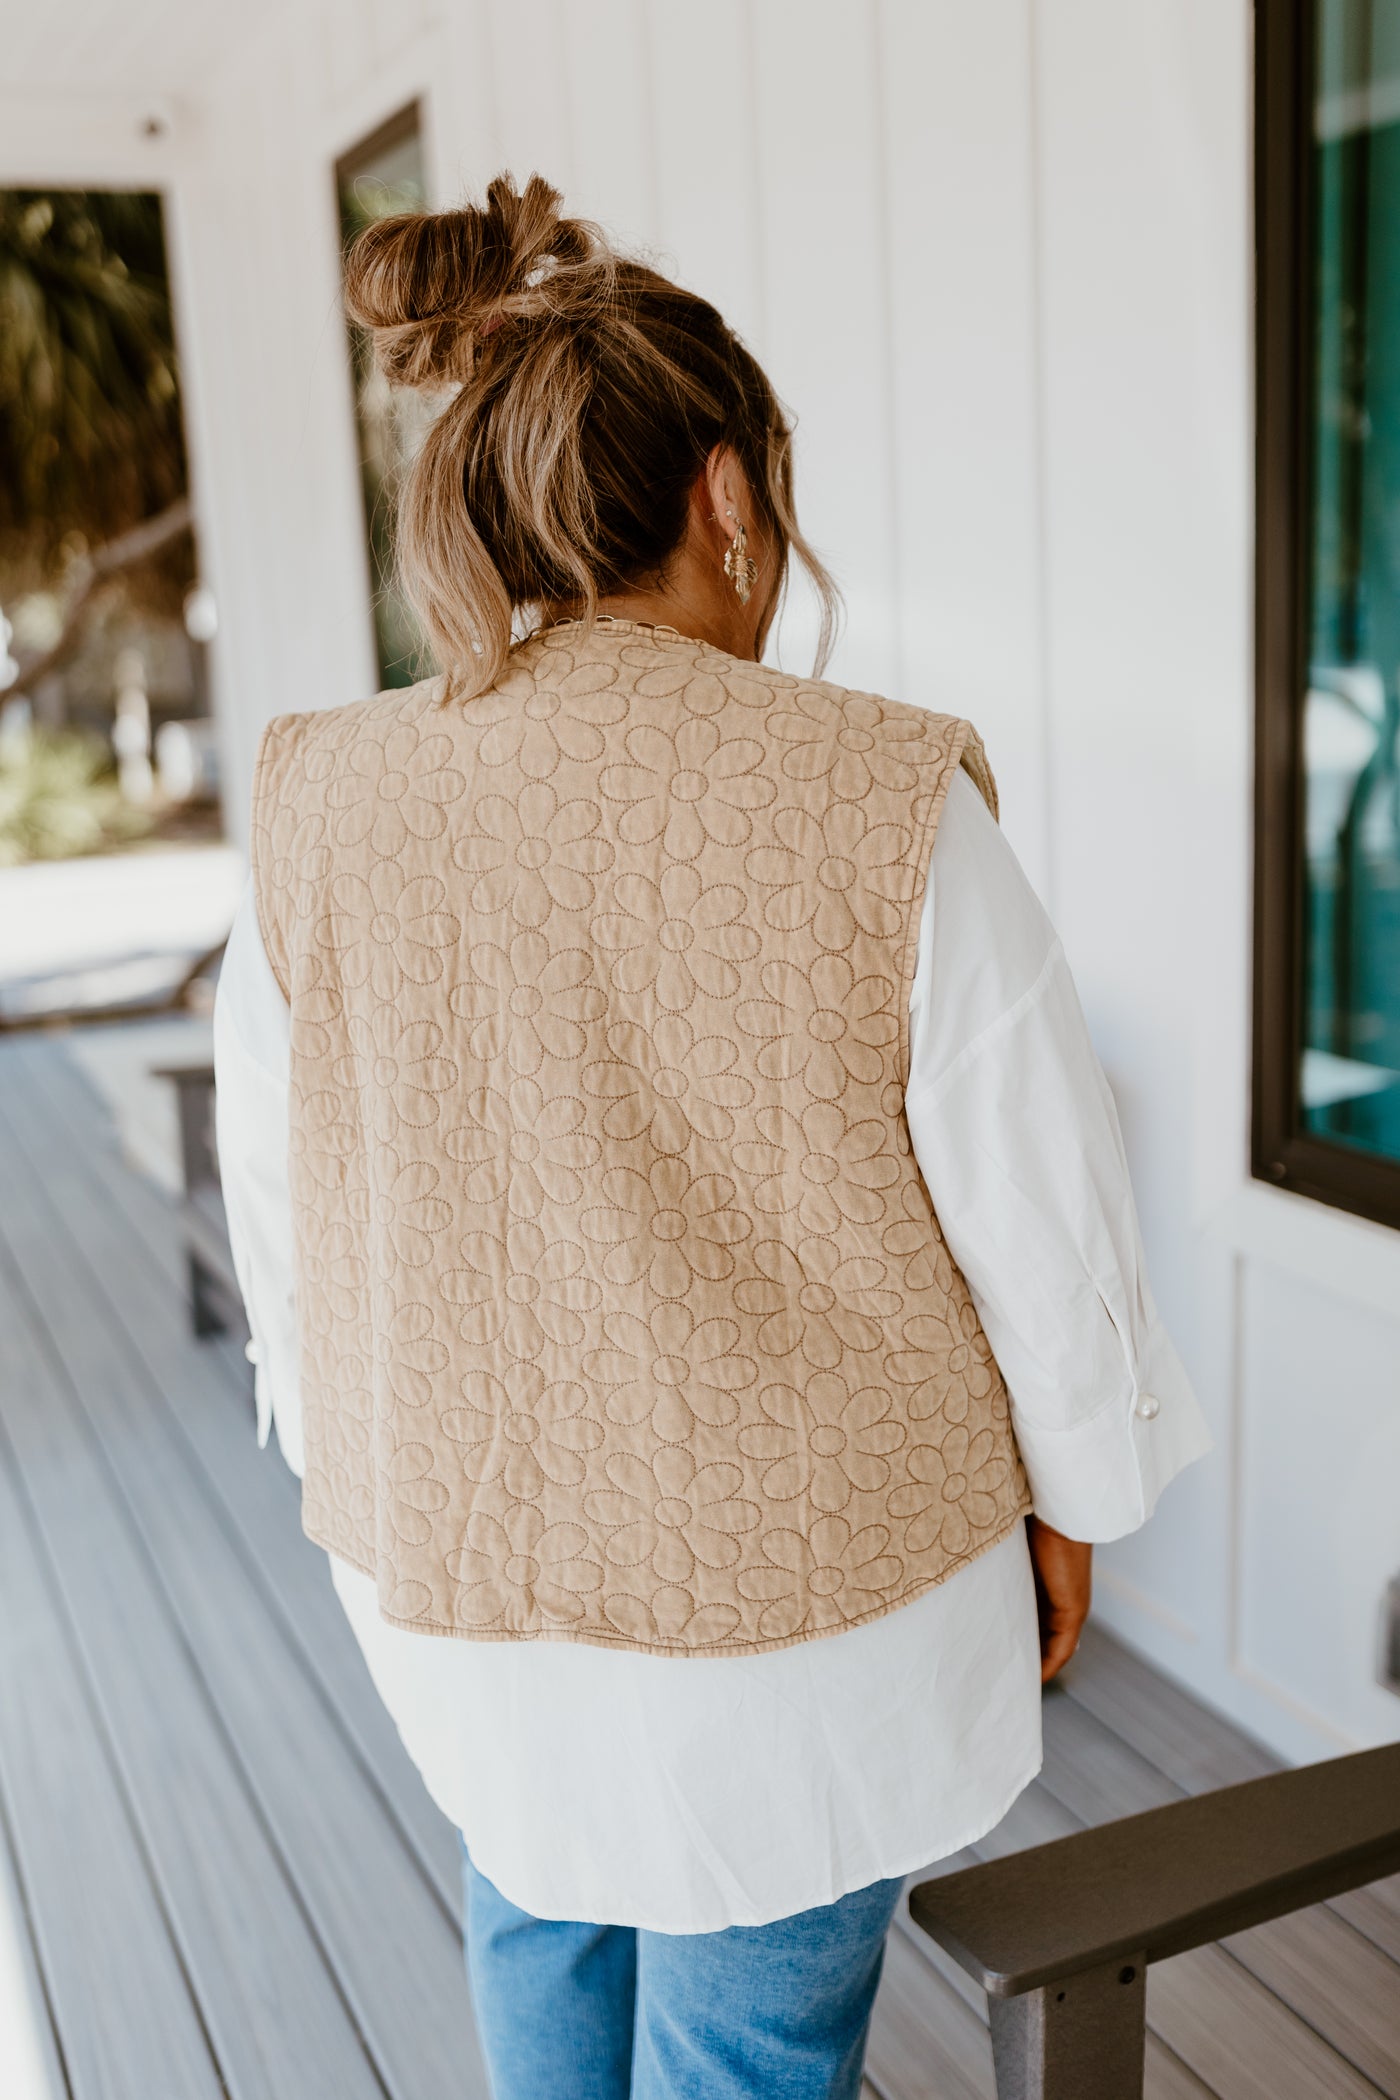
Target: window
(384, 174)
(1327, 968)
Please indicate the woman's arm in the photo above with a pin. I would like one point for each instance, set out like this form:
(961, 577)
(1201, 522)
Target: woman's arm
(1018, 1141)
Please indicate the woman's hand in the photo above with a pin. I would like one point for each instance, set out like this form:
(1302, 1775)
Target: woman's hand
(1063, 1587)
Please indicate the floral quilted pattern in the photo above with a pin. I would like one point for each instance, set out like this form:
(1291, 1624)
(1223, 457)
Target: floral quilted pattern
(533, 855)
(626, 1317)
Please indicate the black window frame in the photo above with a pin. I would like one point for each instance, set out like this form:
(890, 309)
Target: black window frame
(1282, 1151)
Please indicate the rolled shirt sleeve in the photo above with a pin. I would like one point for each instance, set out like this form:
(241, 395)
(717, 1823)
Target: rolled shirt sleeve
(252, 1075)
(1018, 1140)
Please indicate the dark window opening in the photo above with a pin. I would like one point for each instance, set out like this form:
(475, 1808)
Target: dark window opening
(1327, 965)
(384, 174)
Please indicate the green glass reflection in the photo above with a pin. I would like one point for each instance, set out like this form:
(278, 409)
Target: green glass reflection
(1350, 1080)
(385, 175)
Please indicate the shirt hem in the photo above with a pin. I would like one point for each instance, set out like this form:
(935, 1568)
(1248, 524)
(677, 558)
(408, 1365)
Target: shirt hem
(906, 1862)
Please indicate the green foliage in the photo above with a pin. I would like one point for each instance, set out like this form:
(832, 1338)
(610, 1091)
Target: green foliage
(90, 430)
(59, 796)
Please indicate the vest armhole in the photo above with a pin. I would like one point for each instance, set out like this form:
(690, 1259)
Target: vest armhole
(974, 762)
(965, 749)
(268, 928)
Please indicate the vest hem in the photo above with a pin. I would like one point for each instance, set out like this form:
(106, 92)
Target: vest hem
(594, 1637)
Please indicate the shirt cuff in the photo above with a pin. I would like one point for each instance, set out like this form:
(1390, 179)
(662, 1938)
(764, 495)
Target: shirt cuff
(262, 1391)
(287, 1420)
(1102, 1478)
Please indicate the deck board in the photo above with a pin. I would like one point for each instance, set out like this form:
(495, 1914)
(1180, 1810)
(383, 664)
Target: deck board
(232, 1880)
(385, 1942)
(270, 2006)
(31, 2066)
(256, 1498)
(925, 2039)
(112, 1973)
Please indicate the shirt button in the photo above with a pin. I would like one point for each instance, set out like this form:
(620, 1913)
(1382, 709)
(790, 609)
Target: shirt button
(1147, 1407)
(254, 1356)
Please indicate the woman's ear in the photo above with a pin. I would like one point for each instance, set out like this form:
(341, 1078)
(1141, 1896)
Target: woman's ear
(728, 491)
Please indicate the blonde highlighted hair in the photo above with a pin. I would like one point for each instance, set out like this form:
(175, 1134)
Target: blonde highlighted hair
(589, 392)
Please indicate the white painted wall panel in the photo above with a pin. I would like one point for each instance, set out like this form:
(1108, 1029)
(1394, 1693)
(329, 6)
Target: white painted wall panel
(824, 340)
(464, 122)
(347, 42)
(282, 485)
(705, 130)
(534, 116)
(607, 64)
(1143, 231)
(1319, 1514)
(961, 325)
(98, 48)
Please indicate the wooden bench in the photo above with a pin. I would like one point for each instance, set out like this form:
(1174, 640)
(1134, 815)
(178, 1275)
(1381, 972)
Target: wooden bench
(215, 1300)
(1061, 1937)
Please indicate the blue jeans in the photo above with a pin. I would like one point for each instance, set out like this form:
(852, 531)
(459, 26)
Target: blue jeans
(603, 2012)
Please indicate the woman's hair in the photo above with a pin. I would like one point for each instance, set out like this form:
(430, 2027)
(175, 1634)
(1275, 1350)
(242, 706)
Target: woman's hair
(590, 392)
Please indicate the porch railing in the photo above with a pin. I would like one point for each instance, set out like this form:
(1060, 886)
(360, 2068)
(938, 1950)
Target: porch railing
(1061, 1937)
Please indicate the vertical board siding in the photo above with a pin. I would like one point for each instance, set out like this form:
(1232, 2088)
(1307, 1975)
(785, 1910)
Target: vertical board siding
(281, 500)
(529, 75)
(962, 324)
(347, 44)
(705, 102)
(611, 117)
(393, 23)
(823, 340)
(1143, 209)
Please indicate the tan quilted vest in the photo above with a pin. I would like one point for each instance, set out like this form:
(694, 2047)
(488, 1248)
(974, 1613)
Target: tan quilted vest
(625, 1314)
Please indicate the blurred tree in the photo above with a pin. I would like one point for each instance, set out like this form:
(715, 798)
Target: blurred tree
(59, 796)
(90, 431)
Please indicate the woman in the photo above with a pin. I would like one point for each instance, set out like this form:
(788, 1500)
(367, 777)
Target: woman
(605, 1021)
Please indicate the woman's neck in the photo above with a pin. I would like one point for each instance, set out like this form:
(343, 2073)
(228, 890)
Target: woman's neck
(697, 600)
(700, 623)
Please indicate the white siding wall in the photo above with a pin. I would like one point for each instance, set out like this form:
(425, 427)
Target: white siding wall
(998, 258)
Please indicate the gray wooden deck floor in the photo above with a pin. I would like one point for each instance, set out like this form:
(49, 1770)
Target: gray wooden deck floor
(226, 1876)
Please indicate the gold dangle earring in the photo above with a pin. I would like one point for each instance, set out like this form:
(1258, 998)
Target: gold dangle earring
(740, 566)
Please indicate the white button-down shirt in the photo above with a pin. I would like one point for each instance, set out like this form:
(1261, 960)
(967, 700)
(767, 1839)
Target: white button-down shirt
(731, 1790)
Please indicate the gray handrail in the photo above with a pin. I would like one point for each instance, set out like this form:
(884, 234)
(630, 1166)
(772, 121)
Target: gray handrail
(1061, 1936)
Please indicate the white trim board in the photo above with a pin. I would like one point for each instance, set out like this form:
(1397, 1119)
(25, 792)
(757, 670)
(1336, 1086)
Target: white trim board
(1350, 1257)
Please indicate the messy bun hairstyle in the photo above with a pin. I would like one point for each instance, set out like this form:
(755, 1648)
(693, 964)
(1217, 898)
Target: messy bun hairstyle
(589, 392)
